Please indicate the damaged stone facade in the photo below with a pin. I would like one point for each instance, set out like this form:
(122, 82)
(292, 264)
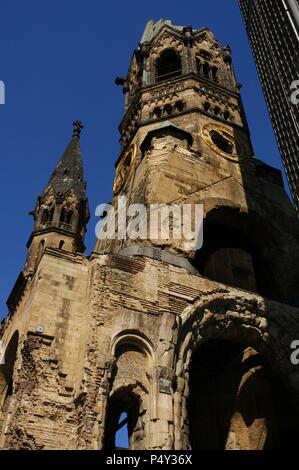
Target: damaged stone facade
(193, 346)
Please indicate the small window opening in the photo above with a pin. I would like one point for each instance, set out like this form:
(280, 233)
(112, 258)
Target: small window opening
(168, 65)
(157, 112)
(168, 109)
(215, 74)
(226, 115)
(122, 433)
(180, 105)
(47, 216)
(206, 70)
(66, 216)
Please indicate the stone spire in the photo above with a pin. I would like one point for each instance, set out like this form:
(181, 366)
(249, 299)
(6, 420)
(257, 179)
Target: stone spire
(62, 211)
(68, 174)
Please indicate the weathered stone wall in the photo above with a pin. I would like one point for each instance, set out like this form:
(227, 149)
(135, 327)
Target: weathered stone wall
(145, 319)
(49, 366)
(88, 338)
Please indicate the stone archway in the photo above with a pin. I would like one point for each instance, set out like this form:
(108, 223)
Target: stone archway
(242, 375)
(232, 402)
(131, 386)
(246, 253)
(129, 401)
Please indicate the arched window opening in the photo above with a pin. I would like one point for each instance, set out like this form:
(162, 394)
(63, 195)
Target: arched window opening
(123, 410)
(206, 70)
(62, 216)
(66, 216)
(168, 65)
(199, 66)
(157, 112)
(61, 243)
(168, 109)
(207, 106)
(214, 74)
(205, 55)
(235, 395)
(234, 252)
(69, 217)
(226, 115)
(216, 112)
(180, 105)
(47, 216)
(227, 257)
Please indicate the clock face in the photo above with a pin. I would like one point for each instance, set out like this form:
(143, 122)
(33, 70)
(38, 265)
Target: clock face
(222, 140)
(124, 167)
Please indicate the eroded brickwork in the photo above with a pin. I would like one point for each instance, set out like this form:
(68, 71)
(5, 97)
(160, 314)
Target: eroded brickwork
(192, 346)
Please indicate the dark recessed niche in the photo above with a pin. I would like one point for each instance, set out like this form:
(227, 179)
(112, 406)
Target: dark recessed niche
(221, 142)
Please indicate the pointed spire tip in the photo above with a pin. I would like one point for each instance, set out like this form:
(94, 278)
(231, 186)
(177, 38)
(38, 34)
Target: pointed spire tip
(77, 128)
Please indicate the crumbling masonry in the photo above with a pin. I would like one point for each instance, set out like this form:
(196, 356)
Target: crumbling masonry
(193, 346)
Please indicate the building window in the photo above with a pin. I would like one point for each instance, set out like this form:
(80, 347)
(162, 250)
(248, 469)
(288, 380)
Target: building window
(180, 105)
(206, 70)
(47, 216)
(66, 216)
(168, 65)
(157, 112)
(227, 257)
(122, 416)
(236, 252)
(205, 55)
(214, 74)
(227, 115)
(168, 109)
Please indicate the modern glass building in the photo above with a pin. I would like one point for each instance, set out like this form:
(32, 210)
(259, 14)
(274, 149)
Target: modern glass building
(273, 31)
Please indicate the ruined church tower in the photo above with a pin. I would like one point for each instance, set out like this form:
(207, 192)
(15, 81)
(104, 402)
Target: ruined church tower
(187, 348)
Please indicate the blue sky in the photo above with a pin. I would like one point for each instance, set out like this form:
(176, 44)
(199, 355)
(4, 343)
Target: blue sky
(59, 59)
